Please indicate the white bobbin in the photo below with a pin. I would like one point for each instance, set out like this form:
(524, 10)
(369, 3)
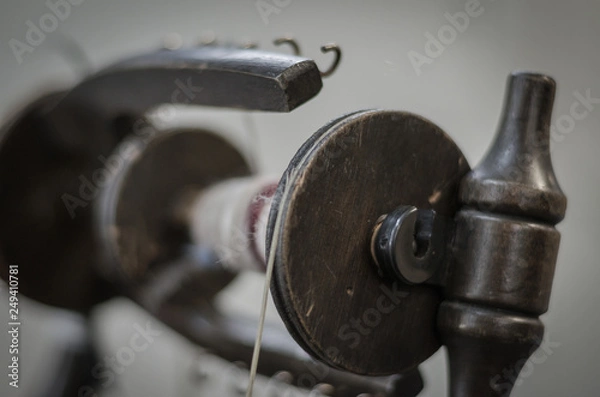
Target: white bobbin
(230, 219)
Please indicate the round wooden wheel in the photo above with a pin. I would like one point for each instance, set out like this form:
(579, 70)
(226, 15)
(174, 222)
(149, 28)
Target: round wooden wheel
(326, 285)
(135, 213)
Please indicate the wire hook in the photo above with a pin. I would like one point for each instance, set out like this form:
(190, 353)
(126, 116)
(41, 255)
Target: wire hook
(290, 41)
(324, 49)
(338, 57)
(250, 45)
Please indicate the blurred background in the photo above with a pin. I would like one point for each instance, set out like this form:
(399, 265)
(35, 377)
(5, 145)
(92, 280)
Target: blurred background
(459, 86)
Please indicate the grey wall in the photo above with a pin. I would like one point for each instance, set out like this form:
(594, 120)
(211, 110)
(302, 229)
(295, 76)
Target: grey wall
(461, 90)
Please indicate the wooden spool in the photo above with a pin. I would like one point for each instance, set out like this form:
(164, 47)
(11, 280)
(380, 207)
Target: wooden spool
(326, 285)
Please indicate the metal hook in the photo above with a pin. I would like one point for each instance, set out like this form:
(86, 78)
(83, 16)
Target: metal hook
(288, 40)
(172, 41)
(338, 57)
(208, 38)
(250, 45)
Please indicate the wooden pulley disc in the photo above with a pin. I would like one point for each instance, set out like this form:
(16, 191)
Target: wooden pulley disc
(135, 213)
(326, 285)
(48, 170)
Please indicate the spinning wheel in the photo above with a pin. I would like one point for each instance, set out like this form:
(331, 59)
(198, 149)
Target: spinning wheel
(384, 244)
